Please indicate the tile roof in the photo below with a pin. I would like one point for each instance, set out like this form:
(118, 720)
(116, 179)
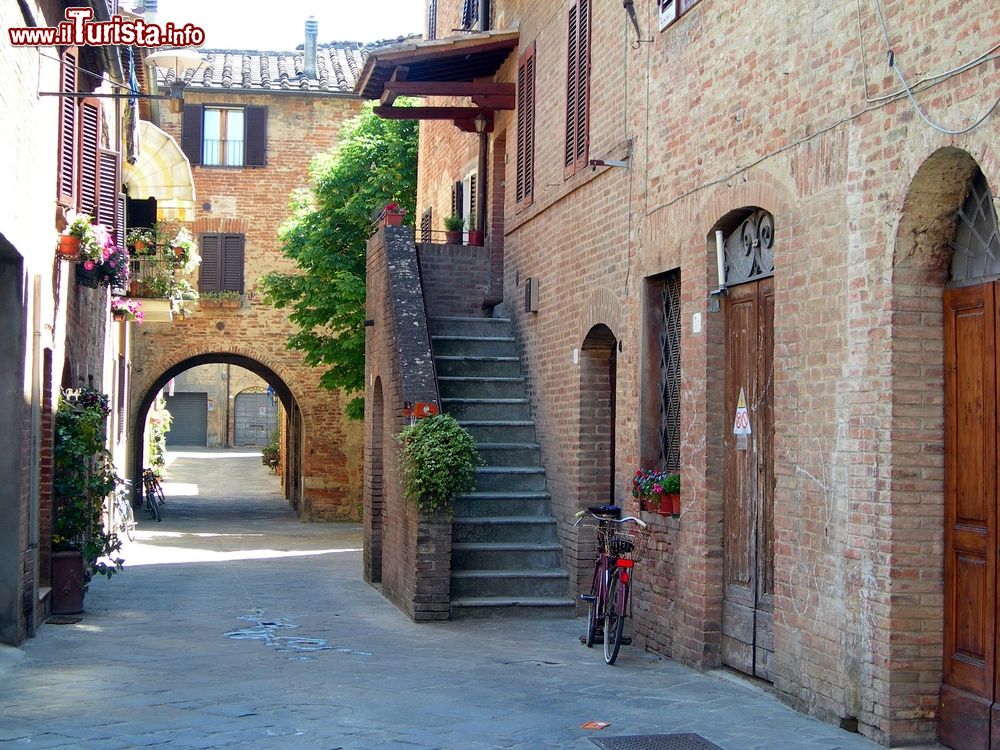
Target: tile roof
(338, 65)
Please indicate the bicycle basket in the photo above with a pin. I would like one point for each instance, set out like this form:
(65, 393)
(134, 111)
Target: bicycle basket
(624, 543)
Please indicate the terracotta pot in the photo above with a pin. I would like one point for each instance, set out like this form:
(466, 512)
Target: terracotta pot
(118, 317)
(69, 247)
(475, 238)
(675, 504)
(179, 252)
(138, 248)
(68, 583)
(453, 238)
(392, 220)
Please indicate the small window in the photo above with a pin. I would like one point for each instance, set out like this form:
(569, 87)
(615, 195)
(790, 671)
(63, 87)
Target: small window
(671, 10)
(223, 136)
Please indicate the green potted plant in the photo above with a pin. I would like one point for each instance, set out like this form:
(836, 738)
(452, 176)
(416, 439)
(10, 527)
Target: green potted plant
(83, 477)
(672, 489)
(657, 491)
(183, 251)
(453, 226)
(141, 240)
(438, 460)
(79, 234)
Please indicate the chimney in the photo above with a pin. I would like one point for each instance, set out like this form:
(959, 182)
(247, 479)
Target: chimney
(309, 50)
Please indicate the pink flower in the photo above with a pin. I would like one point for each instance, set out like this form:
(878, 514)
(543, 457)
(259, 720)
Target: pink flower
(658, 489)
(88, 265)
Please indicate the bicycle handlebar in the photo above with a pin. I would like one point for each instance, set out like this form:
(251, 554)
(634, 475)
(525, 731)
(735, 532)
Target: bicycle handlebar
(584, 513)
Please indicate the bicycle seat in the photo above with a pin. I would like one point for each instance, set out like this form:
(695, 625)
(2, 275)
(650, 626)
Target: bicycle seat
(606, 510)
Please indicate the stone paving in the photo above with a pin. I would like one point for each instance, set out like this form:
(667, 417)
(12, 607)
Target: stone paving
(235, 626)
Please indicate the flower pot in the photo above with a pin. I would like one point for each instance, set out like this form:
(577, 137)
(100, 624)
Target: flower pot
(475, 238)
(69, 246)
(231, 303)
(674, 504)
(392, 220)
(68, 583)
(453, 238)
(118, 317)
(138, 248)
(178, 252)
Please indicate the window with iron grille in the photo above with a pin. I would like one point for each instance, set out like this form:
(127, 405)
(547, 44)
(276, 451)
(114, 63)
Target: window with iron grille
(470, 13)
(577, 88)
(224, 136)
(663, 295)
(432, 14)
(671, 10)
(525, 188)
(221, 267)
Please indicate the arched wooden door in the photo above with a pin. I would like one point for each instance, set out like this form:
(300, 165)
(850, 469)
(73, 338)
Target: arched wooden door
(748, 523)
(970, 691)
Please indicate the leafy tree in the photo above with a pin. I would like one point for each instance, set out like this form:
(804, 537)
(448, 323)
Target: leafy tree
(374, 163)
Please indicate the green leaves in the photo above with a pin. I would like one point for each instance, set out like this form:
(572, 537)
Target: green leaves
(374, 163)
(438, 460)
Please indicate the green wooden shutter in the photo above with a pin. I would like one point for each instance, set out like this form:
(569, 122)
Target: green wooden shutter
(210, 273)
(232, 262)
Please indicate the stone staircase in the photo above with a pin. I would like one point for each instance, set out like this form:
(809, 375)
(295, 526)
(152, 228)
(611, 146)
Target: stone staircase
(505, 548)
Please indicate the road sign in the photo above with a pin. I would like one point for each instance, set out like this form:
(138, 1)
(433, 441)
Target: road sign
(741, 425)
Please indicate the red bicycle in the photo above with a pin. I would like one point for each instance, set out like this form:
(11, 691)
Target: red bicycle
(621, 542)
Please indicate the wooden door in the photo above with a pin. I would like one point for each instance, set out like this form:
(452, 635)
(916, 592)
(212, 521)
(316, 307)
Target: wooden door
(748, 525)
(970, 680)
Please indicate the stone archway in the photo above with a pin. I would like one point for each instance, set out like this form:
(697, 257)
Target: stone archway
(293, 431)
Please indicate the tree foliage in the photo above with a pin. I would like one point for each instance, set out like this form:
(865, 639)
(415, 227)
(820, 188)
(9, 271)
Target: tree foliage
(374, 163)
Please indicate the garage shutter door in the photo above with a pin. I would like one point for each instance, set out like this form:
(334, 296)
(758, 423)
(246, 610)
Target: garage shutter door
(256, 418)
(190, 423)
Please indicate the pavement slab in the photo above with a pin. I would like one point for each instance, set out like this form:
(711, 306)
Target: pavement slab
(325, 662)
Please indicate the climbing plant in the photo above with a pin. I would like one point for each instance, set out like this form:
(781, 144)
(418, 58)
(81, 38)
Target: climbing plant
(438, 461)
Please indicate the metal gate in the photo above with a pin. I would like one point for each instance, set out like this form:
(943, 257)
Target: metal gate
(190, 419)
(256, 419)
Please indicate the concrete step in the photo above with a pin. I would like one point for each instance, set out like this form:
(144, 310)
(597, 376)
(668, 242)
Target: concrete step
(514, 556)
(469, 326)
(481, 387)
(509, 583)
(474, 346)
(510, 478)
(502, 606)
(500, 430)
(456, 365)
(502, 504)
(510, 454)
(487, 408)
(503, 529)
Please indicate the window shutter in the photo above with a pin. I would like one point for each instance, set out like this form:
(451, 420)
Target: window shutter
(192, 127)
(120, 220)
(425, 225)
(255, 136)
(432, 17)
(90, 133)
(210, 273)
(473, 205)
(232, 262)
(572, 63)
(583, 87)
(526, 128)
(458, 201)
(67, 130)
(107, 191)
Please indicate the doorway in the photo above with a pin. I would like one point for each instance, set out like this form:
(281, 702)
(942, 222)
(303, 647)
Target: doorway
(970, 691)
(748, 445)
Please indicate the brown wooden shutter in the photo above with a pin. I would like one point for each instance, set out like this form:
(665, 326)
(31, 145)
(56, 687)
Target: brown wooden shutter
(425, 225)
(572, 63)
(192, 129)
(255, 136)
(577, 88)
(473, 197)
(107, 190)
(526, 127)
(432, 14)
(458, 200)
(120, 228)
(232, 262)
(90, 133)
(66, 180)
(210, 271)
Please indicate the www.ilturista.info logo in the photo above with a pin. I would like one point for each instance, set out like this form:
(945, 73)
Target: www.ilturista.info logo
(79, 30)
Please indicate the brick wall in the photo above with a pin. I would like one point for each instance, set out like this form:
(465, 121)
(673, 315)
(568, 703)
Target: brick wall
(711, 121)
(255, 202)
(455, 278)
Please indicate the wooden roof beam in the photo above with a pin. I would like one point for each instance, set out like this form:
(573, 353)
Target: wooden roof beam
(431, 113)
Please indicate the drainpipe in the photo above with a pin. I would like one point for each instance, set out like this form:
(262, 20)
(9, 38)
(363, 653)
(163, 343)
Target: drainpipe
(36, 448)
(309, 49)
(229, 376)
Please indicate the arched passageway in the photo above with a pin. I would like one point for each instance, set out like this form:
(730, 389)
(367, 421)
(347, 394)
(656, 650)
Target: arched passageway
(291, 430)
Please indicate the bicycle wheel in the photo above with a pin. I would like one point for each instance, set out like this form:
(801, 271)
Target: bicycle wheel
(594, 613)
(614, 617)
(126, 520)
(154, 511)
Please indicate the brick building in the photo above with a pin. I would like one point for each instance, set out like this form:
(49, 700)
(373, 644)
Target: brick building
(57, 333)
(251, 123)
(694, 202)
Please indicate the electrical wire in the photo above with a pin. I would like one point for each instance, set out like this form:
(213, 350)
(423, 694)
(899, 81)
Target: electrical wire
(909, 90)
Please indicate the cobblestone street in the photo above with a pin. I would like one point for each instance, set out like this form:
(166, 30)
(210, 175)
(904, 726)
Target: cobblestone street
(234, 626)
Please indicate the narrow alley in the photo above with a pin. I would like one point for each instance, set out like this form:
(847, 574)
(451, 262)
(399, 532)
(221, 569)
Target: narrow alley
(235, 626)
